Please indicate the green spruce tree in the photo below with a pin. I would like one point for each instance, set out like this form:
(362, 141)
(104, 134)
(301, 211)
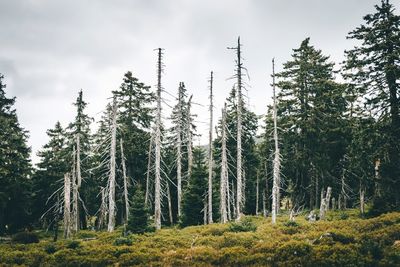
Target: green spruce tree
(15, 168)
(138, 221)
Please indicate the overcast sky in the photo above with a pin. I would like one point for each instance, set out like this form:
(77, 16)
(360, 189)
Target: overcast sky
(50, 49)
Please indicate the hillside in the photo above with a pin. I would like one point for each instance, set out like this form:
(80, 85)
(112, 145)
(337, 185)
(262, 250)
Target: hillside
(343, 240)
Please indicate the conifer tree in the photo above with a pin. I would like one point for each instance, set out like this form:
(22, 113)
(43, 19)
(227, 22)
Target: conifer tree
(51, 169)
(311, 106)
(193, 199)
(15, 167)
(138, 221)
(374, 70)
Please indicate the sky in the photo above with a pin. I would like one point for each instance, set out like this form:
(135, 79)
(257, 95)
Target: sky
(50, 49)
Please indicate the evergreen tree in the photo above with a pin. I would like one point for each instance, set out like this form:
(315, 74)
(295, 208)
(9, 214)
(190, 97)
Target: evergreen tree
(249, 155)
(15, 168)
(374, 70)
(194, 195)
(80, 129)
(138, 222)
(48, 178)
(135, 117)
(311, 106)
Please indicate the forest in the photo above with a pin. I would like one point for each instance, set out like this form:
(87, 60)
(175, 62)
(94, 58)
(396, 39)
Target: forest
(322, 161)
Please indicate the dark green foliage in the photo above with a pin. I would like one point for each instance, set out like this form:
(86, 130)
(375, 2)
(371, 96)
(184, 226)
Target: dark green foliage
(50, 248)
(138, 222)
(244, 225)
(15, 169)
(291, 224)
(194, 195)
(123, 241)
(73, 244)
(48, 178)
(373, 70)
(311, 111)
(25, 238)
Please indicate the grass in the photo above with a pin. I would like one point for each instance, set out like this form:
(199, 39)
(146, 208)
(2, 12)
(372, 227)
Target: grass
(339, 241)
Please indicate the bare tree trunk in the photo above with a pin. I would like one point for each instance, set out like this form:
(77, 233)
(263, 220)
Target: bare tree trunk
(210, 155)
(205, 213)
(75, 196)
(126, 182)
(362, 199)
(325, 202)
(333, 203)
(224, 183)
(157, 189)
(234, 206)
(190, 138)
(179, 151)
(103, 209)
(239, 134)
(78, 159)
(146, 200)
(276, 161)
(111, 181)
(257, 193)
(171, 220)
(228, 199)
(67, 205)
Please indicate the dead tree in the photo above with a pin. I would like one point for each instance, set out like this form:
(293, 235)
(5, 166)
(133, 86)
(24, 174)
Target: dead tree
(103, 212)
(325, 202)
(126, 182)
(157, 141)
(210, 154)
(189, 137)
(224, 183)
(111, 180)
(75, 196)
(276, 161)
(239, 85)
(67, 205)
(147, 195)
(257, 191)
(171, 221)
(179, 148)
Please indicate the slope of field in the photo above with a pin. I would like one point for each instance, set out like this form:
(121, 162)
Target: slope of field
(343, 240)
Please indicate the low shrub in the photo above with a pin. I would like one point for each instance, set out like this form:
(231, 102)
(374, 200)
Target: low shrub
(25, 238)
(123, 241)
(50, 248)
(73, 244)
(244, 225)
(291, 224)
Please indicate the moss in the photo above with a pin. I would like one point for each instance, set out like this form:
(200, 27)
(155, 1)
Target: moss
(352, 242)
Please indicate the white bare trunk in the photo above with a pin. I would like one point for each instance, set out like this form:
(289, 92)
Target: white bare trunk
(78, 159)
(171, 220)
(179, 150)
(224, 183)
(157, 187)
(362, 200)
(111, 181)
(146, 200)
(325, 203)
(75, 196)
(239, 186)
(189, 137)
(257, 193)
(67, 205)
(276, 161)
(210, 154)
(103, 209)
(126, 182)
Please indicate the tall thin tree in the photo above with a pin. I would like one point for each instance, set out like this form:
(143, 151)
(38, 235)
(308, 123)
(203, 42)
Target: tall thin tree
(210, 154)
(276, 161)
